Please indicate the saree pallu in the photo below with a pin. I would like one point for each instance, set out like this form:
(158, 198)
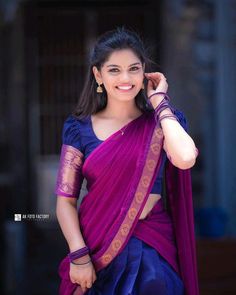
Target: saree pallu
(120, 173)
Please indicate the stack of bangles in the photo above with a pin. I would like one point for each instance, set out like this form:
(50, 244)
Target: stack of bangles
(164, 104)
(77, 254)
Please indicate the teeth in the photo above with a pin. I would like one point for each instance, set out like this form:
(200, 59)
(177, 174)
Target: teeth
(124, 87)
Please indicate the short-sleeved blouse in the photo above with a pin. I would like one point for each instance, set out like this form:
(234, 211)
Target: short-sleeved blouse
(79, 133)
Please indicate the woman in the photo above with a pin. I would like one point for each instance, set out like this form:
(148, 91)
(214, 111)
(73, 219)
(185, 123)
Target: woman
(122, 138)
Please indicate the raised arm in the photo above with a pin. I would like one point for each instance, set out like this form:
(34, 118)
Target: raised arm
(178, 144)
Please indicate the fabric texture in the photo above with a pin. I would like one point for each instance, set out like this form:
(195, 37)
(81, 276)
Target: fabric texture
(69, 178)
(80, 134)
(180, 204)
(116, 200)
(137, 270)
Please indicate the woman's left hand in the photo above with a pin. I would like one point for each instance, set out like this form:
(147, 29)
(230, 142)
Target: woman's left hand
(156, 83)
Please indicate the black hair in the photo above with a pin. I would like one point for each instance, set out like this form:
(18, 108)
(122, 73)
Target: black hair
(90, 101)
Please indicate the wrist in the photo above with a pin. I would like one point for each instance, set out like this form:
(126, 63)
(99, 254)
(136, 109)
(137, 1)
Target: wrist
(157, 97)
(80, 255)
(76, 245)
(82, 259)
(166, 111)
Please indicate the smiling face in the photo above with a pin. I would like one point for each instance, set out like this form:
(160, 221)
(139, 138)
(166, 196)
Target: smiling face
(122, 75)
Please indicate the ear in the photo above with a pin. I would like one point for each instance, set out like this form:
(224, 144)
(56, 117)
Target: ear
(97, 75)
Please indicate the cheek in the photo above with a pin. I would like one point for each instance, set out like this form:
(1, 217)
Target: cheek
(109, 81)
(139, 76)
(139, 79)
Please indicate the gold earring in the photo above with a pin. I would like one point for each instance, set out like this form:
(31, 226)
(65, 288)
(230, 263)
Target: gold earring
(99, 88)
(143, 86)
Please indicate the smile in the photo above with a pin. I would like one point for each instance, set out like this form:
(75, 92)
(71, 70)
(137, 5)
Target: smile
(125, 88)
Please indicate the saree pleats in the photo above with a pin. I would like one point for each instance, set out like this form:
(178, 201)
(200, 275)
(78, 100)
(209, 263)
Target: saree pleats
(137, 270)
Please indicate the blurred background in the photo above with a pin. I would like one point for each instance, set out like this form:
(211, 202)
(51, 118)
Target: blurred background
(44, 48)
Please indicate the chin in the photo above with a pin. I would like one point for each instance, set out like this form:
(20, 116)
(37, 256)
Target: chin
(125, 98)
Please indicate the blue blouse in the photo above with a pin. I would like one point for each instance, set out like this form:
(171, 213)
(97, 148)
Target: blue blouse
(79, 133)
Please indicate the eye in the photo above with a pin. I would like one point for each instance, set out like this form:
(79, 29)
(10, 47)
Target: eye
(134, 69)
(114, 70)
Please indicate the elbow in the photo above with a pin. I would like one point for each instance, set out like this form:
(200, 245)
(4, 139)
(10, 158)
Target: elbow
(63, 202)
(184, 158)
(187, 164)
(185, 161)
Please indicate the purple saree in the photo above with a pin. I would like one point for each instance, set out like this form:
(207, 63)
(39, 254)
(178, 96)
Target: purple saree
(128, 165)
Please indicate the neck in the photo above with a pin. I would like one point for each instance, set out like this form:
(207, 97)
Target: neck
(121, 110)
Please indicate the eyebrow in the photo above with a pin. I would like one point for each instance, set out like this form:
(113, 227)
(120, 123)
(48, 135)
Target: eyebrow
(137, 63)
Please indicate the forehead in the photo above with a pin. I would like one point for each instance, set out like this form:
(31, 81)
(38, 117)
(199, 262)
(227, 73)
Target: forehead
(123, 57)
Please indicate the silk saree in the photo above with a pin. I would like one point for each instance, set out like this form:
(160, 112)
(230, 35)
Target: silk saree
(120, 173)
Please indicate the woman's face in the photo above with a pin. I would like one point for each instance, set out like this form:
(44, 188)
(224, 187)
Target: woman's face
(122, 75)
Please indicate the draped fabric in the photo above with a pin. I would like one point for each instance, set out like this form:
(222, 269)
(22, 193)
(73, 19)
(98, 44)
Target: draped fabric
(179, 190)
(128, 165)
(118, 186)
(138, 270)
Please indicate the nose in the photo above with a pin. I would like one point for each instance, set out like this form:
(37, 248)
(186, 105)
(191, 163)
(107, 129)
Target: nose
(125, 78)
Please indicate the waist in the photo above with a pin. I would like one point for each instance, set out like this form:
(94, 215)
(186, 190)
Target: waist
(152, 200)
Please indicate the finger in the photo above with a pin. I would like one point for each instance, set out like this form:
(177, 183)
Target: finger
(89, 284)
(157, 76)
(150, 86)
(162, 83)
(94, 277)
(154, 84)
(84, 289)
(155, 81)
(73, 281)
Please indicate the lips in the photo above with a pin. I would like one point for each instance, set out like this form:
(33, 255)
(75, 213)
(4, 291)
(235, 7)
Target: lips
(125, 87)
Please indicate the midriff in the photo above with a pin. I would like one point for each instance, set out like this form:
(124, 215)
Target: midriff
(151, 201)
